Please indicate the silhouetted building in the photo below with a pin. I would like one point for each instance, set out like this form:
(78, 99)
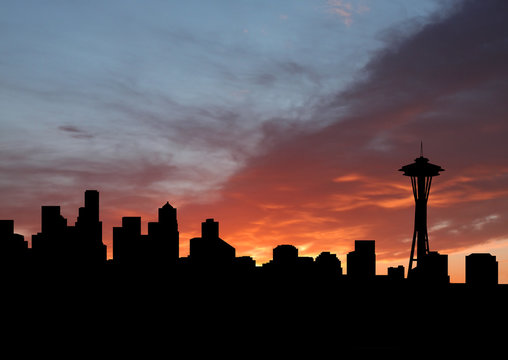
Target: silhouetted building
(361, 263)
(289, 265)
(210, 249)
(396, 273)
(89, 247)
(244, 263)
(432, 269)
(160, 247)
(328, 263)
(127, 246)
(52, 222)
(421, 173)
(74, 245)
(285, 255)
(50, 246)
(14, 249)
(209, 229)
(163, 237)
(6, 228)
(481, 270)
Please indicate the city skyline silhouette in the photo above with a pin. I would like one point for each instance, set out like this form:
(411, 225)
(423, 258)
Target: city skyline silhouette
(272, 150)
(248, 178)
(302, 293)
(147, 275)
(58, 244)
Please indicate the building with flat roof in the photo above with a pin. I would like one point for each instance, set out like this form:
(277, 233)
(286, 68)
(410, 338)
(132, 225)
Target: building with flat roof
(481, 269)
(13, 247)
(361, 263)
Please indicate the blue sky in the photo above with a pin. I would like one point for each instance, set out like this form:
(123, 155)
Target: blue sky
(173, 82)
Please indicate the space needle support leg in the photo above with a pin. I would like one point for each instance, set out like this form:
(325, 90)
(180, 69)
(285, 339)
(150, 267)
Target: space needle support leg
(412, 254)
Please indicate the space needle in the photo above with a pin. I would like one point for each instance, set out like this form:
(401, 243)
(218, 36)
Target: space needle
(421, 172)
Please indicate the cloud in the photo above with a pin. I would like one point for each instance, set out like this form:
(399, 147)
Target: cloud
(442, 84)
(345, 9)
(69, 128)
(479, 224)
(75, 132)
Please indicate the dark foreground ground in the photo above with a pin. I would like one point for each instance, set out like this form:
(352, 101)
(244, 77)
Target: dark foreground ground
(149, 313)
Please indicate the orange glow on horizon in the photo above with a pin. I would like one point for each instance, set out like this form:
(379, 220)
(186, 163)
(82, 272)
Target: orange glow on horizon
(256, 218)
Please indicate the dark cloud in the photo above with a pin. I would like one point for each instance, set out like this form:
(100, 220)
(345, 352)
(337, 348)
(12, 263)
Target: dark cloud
(75, 132)
(70, 128)
(466, 49)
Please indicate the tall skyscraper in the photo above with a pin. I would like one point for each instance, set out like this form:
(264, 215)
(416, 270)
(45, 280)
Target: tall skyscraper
(164, 236)
(88, 231)
(92, 205)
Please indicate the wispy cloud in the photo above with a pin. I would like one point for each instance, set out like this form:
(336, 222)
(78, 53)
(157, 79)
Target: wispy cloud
(75, 132)
(346, 9)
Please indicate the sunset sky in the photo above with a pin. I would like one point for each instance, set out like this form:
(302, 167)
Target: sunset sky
(286, 121)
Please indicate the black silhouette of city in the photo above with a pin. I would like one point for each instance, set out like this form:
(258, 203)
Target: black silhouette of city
(61, 245)
(297, 297)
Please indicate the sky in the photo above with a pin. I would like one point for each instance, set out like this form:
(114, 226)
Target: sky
(286, 121)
